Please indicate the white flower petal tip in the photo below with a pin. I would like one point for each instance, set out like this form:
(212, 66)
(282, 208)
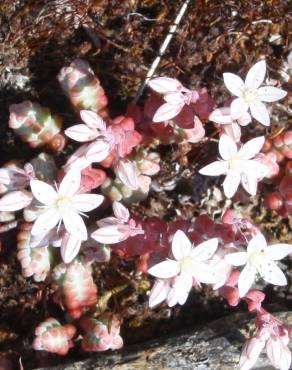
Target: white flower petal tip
(259, 260)
(238, 165)
(163, 85)
(65, 204)
(250, 95)
(70, 247)
(126, 171)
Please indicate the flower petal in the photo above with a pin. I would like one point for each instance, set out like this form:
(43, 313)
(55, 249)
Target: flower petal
(45, 222)
(216, 168)
(278, 251)
(182, 286)
(249, 181)
(231, 183)
(126, 171)
(245, 280)
(270, 93)
(238, 108)
(259, 112)
(205, 250)
(87, 202)
(233, 83)
(233, 131)
(236, 259)
(165, 269)
(278, 353)
(15, 200)
(167, 111)
(257, 243)
(158, 292)
(81, 133)
(98, 151)
(70, 247)
(251, 147)
(256, 75)
(221, 116)
(227, 147)
(43, 192)
(163, 85)
(75, 225)
(70, 183)
(205, 273)
(111, 234)
(271, 273)
(181, 245)
(121, 212)
(174, 98)
(92, 120)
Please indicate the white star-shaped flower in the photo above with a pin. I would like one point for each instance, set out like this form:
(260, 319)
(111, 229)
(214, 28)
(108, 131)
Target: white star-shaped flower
(238, 165)
(250, 95)
(259, 259)
(188, 264)
(65, 204)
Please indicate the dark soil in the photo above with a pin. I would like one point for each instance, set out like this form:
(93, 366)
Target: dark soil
(38, 37)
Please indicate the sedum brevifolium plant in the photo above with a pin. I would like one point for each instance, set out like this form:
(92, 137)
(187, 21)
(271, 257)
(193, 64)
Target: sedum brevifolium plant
(113, 164)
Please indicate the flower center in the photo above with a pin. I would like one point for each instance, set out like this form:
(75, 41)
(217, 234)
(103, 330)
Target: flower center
(249, 95)
(234, 162)
(187, 264)
(63, 204)
(256, 258)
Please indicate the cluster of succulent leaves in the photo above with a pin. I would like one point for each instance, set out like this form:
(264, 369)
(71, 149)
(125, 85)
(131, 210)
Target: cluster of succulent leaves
(114, 164)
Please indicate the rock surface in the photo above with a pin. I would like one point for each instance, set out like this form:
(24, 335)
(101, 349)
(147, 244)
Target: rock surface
(217, 346)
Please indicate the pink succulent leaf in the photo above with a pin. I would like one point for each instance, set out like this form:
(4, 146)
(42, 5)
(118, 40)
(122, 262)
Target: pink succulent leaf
(126, 171)
(93, 120)
(98, 151)
(70, 247)
(121, 212)
(167, 111)
(15, 200)
(163, 85)
(81, 133)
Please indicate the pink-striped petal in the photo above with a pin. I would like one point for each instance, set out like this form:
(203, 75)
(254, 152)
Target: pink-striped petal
(121, 212)
(81, 133)
(98, 151)
(111, 234)
(126, 171)
(221, 116)
(167, 111)
(15, 200)
(92, 120)
(163, 85)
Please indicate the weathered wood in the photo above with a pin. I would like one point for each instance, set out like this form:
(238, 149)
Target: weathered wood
(216, 346)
